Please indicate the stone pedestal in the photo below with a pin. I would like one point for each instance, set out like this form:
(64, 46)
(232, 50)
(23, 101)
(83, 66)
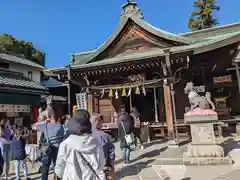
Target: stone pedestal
(204, 150)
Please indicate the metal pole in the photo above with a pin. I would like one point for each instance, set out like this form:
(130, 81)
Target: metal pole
(130, 102)
(155, 104)
(174, 114)
(69, 88)
(238, 76)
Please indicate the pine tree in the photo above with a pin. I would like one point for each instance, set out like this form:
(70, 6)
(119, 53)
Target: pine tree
(202, 17)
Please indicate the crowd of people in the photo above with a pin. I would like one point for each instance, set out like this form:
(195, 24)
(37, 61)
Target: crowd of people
(12, 144)
(78, 149)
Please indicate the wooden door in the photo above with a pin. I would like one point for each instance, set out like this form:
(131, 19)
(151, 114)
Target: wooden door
(106, 109)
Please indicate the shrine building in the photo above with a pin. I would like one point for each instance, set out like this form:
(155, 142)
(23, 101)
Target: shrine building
(145, 67)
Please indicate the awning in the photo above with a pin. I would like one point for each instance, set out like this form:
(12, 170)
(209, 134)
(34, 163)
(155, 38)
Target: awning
(16, 98)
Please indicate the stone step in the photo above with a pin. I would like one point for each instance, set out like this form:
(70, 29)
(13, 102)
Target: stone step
(187, 160)
(173, 172)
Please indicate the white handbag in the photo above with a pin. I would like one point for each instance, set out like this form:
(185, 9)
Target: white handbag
(128, 137)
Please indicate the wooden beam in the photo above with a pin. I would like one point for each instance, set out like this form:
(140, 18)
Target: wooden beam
(168, 109)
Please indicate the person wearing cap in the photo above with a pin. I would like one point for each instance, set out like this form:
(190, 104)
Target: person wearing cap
(106, 143)
(53, 135)
(80, 155)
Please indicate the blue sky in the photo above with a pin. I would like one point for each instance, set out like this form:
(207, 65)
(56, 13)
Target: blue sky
(60, 27)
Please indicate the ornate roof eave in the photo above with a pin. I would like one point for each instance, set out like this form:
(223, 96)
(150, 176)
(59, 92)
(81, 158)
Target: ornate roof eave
(129, 58)
(143, 24)
(196, 48)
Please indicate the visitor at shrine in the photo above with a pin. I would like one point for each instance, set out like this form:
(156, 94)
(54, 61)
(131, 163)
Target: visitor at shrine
(106, 143)
(5, 152)
(80, 156)
(1, 163)
(19, 155)
(53, 133)
(125, 129)
(137, 133)
(7, 129)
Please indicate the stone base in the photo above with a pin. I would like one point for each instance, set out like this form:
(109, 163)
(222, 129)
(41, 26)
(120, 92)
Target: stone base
(213, 150)
(187, 160)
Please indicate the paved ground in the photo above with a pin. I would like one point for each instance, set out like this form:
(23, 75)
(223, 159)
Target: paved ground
(157, 162)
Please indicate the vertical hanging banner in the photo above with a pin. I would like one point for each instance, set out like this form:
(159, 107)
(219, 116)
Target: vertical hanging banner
(81, 100)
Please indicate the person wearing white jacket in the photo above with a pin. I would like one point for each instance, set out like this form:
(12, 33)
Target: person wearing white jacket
(80, 156)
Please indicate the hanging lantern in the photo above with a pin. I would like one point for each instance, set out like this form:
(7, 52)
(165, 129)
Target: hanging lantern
(144, 91)
(137, 90)
(129, 92)
(103, 91)
(124, 93)
(116, 94)
(110, 93)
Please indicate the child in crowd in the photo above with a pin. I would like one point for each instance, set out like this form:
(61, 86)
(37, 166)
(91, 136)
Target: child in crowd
(5, 152)
(19, 154)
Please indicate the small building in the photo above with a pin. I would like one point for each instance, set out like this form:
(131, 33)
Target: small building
(146, 67)
(20, 64)
(57, 93)
(20, 95)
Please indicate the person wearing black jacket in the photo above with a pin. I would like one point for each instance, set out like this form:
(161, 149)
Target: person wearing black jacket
(135, 115)
(19, 155)
(124, 127)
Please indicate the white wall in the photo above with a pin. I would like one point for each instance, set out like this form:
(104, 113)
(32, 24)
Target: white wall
(36, 73)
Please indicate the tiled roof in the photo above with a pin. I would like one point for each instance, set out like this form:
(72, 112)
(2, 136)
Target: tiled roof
(13, 79)
(197, 48)
(212, 32)
(52, 83)
(19, 60)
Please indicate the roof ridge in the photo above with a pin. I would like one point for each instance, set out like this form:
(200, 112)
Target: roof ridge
(85, 52)
(27, 61)
(181, 38)
(210, 29)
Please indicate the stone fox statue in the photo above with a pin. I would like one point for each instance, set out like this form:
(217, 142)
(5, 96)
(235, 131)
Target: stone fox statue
(203, 102)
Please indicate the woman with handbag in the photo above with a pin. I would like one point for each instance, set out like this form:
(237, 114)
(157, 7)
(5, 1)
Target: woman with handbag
(80, 156)
(125, 131)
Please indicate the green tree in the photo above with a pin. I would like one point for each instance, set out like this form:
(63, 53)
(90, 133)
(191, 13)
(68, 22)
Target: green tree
(9, 44)
(202, 17)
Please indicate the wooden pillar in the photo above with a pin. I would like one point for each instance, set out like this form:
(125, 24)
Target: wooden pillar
(95, 105)
(168, 109)
(238, 76)
(90, 103)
